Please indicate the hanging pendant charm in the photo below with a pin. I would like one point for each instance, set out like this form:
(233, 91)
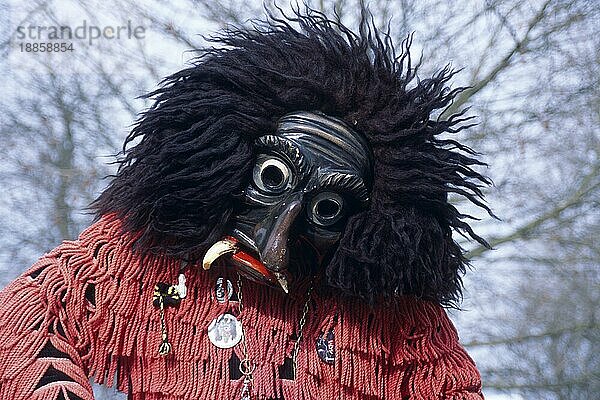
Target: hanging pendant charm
(223, 290)
(247, 369)
(164, 296)
(246, 389)
(225, 331)
(326, 347)
(165, 346)
(181, 287)
(169, 293)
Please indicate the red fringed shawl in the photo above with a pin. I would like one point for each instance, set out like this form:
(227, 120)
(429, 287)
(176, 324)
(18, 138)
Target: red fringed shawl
(85, 310)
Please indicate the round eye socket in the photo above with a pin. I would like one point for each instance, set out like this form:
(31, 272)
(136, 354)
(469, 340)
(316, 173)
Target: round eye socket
(271, 175)
(326, 208)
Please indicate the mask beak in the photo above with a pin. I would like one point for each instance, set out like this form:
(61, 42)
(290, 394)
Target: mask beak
(271, 237)
(229, 246)
(270, 241)
(219, 249)
(282, 280)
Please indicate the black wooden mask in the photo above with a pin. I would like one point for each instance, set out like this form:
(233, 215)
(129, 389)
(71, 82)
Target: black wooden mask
(309, 177)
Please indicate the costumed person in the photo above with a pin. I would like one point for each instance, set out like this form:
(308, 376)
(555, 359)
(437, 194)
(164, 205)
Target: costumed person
(279, 228)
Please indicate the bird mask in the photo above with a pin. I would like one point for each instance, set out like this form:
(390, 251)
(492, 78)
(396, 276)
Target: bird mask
(310, 175)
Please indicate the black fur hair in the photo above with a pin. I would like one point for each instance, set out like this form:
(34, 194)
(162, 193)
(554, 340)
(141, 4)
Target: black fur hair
(178, 185)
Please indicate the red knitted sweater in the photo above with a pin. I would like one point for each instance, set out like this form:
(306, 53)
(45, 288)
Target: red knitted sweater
(85, 310)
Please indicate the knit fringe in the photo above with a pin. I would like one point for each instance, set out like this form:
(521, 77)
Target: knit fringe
(406, 349)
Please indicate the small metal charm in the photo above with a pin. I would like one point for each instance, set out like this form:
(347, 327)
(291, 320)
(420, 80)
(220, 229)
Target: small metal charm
(222, 293)
(225, 331)
(181, 287)
(246, 389)
(164, 296)
(326, 347)
(165, 347)
(169, 293)
(247, 368)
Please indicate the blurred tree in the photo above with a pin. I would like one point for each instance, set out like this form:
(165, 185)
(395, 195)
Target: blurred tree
(533, 71)
(54, 130)
(50, 168)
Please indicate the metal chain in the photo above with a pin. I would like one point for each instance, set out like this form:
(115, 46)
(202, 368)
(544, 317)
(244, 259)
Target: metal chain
(165, 346)
(301, 324)
(239, 284)
(241, 307)
(246, 366)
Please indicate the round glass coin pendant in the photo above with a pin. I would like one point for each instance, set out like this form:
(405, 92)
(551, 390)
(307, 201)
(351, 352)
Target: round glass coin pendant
(225, 331)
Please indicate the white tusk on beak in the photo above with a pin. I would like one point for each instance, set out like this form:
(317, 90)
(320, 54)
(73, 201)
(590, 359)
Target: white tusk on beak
(217, 250)
(282, 281)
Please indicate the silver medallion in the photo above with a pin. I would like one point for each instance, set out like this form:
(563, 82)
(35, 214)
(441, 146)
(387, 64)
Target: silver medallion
(326, 347)
(225, 331)
(222, 293)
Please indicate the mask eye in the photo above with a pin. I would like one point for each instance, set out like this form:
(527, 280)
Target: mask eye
(271, 175)
(326, 208)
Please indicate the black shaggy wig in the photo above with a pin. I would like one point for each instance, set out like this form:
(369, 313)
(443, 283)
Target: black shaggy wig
(178, 185)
